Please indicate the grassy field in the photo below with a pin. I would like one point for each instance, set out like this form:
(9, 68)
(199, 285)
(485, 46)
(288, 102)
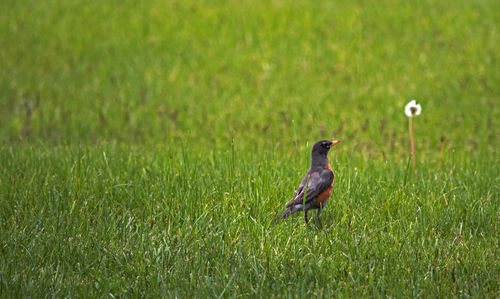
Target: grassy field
(147, 145)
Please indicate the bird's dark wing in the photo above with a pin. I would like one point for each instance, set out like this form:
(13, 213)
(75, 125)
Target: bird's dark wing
(299, 194)
(318, 183)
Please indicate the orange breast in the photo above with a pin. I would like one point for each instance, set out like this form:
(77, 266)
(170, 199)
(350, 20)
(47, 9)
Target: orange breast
(329, 167)
(323, 196)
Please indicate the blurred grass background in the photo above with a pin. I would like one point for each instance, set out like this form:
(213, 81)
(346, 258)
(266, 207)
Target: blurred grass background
(134, 134)
(148, 72)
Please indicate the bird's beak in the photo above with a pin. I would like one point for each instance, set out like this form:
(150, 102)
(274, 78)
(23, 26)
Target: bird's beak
(334, 142)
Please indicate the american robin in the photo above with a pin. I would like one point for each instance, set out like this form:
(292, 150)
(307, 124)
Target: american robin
(319, 180)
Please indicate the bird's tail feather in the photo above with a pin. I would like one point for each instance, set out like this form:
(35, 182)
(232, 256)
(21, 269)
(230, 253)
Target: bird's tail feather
(289, 211)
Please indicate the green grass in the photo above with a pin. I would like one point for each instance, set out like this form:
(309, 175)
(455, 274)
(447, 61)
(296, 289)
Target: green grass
(146, 147)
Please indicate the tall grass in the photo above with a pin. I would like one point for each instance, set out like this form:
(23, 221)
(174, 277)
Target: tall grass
(124, 221)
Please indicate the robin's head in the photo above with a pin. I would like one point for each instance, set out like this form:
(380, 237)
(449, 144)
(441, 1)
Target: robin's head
(323, 146)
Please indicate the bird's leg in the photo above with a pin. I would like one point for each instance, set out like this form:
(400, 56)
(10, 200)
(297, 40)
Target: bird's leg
(319, 216)
(305, 215)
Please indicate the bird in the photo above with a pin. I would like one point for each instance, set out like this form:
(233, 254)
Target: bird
(317, 184)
